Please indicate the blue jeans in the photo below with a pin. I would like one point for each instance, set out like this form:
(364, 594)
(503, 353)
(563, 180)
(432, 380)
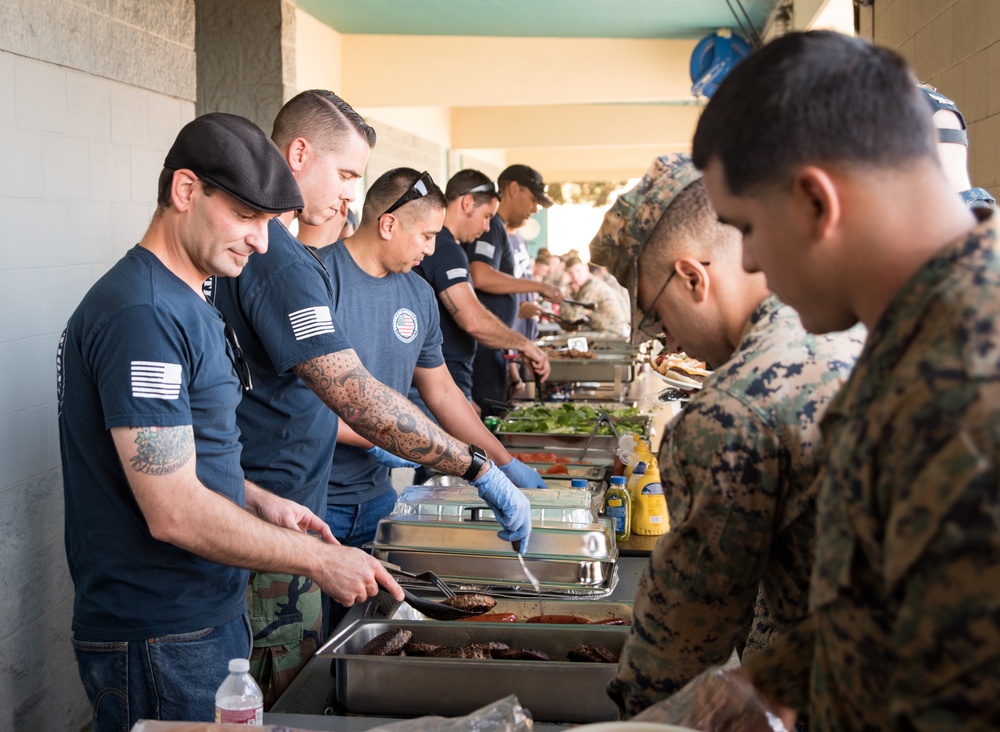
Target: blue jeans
(354, 525)
(173, 677)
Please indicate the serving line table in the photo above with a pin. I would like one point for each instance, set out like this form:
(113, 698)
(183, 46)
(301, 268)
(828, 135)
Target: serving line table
(307, 704)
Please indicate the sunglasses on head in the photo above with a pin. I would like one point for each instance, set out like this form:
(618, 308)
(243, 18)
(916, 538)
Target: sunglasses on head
(490, 187)
(415, 192)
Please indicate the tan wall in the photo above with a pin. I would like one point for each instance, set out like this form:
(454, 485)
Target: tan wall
(955, 46)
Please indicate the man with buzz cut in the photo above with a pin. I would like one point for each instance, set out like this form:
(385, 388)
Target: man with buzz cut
(306, 374)
(820, 150)
(492, 267)
(390, 316)
(160, 522)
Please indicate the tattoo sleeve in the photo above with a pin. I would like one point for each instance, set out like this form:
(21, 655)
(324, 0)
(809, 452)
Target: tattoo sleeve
(162, 450)
(381, 414)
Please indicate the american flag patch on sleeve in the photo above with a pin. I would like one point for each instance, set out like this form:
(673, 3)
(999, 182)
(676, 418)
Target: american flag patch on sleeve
(155, 380)
(485, 249)
(458, 272)
(311, 322)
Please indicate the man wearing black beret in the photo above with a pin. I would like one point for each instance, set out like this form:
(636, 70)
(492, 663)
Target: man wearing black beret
(159, 517)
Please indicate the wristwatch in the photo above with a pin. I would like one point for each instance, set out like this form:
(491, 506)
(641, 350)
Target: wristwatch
(478, 460)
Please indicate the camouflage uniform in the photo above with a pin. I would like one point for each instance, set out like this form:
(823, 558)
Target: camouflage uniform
(286, 617)
(739, 470)
(607, 317)
(904, 628)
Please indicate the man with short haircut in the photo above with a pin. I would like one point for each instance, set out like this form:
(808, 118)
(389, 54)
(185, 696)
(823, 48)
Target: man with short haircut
(472, 202)
(159, 519)
(306, 373)
(820, 151)
(491, 264)
(738, 465)
(390, 315)
(607, 316)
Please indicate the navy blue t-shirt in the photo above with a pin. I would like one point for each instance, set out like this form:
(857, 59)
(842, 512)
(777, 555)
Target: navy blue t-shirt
(143, 350)
(449, 266)
(393, 323)
(280, 308)
(494, 249)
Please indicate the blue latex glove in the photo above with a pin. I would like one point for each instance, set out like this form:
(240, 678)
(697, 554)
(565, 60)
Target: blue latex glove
(509, 504)
(522, 475)
(389, 460)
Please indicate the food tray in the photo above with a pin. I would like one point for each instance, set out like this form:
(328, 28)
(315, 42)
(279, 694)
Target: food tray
(459, 501)
(601, 446)
(555, 540)
(499, 575)
(527, 608)
(411, 686)
(606, 367)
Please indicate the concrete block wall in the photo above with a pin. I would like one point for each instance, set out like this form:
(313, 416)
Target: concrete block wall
(953, 45)
(92, 93)
(396, 148)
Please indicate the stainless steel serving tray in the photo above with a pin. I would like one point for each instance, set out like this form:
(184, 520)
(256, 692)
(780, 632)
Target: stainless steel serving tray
(554, 691)
(528, 608)
(606, 367)
(454, 499)
(549, 540)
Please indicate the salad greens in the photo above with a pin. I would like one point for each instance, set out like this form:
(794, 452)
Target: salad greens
(571, 419)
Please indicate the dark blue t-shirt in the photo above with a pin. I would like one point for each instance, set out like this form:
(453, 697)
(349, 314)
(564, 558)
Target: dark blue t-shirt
(494, 249)
(280, 308)
(143, 350)
(393, 323)
(449, 266)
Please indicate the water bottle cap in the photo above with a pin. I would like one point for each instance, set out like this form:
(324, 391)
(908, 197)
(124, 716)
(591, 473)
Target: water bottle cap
(578, 483)
(239, 666)
(617, 480)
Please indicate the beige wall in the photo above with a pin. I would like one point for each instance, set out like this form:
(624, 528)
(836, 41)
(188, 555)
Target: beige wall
(955, 46)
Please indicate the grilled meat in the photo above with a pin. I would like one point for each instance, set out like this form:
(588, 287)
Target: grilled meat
(390, 643)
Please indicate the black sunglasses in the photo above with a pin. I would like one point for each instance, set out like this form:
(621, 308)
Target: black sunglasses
(490, 187)
(235, 354)
(654, 325)
(418, 190)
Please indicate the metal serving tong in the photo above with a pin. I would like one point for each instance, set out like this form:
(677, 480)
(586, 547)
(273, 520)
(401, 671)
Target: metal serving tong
(602, 418)
(433, 610)
(584, 305)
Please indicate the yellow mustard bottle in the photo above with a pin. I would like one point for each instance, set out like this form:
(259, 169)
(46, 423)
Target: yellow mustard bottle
(618, 508)
(649, 505)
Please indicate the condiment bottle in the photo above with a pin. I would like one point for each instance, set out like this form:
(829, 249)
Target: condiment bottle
(618, 507)
(649, 505)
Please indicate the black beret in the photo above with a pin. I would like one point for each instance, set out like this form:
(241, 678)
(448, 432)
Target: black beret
(232, 153)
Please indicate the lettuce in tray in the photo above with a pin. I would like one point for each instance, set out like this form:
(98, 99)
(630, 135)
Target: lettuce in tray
(571, 419)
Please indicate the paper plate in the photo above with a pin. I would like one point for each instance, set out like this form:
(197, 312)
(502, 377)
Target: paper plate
(683, 386)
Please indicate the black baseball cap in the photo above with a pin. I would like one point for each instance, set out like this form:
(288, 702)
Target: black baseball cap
(530, 179)
(232, 153)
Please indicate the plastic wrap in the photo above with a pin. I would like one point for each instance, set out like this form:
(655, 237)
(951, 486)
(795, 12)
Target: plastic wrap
(717, 701)
(505, 715)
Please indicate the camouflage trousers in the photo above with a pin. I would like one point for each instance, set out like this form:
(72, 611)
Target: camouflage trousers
(286, 617)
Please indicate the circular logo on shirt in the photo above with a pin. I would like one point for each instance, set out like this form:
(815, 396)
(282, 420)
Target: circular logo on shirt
(404, 325)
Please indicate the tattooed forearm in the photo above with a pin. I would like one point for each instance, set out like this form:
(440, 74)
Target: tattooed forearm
(380, 414)
(162, 450)
(449, 304)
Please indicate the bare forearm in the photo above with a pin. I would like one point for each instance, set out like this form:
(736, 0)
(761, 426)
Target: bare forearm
(491, 280)
(381, 414)
(457, 416)
(484, 326)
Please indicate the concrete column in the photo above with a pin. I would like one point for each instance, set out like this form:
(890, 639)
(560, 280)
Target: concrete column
(246, 57)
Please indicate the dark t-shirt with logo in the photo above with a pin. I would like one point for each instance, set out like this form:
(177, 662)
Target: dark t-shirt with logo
(280, 309)
(447, 267)
(393, 323)
(143, 350)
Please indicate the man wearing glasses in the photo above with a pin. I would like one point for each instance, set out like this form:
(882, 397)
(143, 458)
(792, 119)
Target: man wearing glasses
(491, 264)
(156, 528)
(389, 313)
(739, 464)
(306, 373)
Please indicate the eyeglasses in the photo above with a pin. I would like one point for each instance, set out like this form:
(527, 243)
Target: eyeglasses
(490, 187)
(418, 190)
(235, 354)
(652, 327)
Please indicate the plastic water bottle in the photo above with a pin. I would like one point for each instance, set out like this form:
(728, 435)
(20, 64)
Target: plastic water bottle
(239, 700)
(578, 483)
(618, 508)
